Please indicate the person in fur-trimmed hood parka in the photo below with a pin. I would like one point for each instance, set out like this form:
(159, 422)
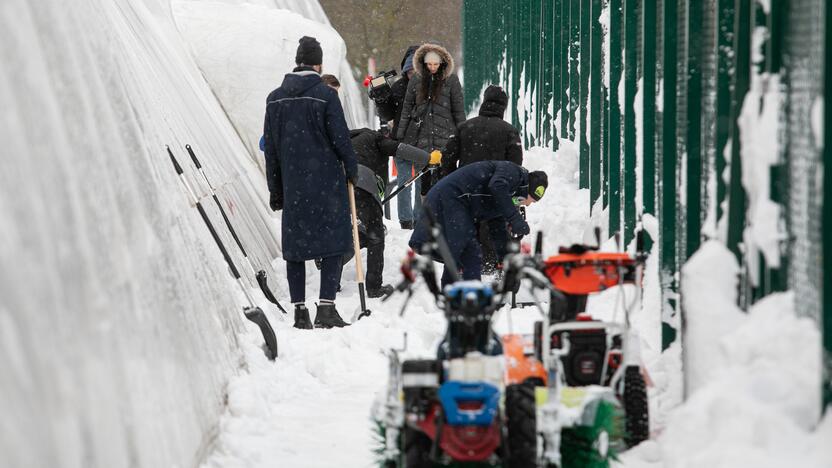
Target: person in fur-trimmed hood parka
(433, 105)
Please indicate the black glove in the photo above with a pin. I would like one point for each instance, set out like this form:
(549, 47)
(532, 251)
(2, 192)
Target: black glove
(276, 201)
(519, 226)
(353, 178)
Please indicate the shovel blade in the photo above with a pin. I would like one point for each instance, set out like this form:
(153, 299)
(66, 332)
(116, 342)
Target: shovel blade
(256, 315)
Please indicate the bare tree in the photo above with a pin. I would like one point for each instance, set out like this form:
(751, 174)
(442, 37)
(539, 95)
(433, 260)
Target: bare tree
(385, 28)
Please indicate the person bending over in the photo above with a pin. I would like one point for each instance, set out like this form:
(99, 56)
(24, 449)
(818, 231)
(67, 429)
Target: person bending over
(479, 192)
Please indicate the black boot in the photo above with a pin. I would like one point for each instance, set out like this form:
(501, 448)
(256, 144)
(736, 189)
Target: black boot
(381, 291)
(302, 317)
(327, 317)
(406, 225)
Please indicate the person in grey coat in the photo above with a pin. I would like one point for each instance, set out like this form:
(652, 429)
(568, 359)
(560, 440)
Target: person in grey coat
(433, 105)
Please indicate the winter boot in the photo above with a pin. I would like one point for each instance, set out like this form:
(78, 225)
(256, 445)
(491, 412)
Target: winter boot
(327, 316)
(302, 317)
(381, 291)
(406, 225)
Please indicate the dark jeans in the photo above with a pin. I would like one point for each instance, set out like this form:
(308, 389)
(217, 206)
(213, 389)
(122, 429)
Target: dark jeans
(330, 277)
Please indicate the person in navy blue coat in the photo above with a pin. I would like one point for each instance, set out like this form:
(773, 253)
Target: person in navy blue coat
(479, 192)
(309, 159)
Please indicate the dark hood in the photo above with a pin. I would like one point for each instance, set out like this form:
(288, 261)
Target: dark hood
(494, 102)
(410, 51)
(298, 82)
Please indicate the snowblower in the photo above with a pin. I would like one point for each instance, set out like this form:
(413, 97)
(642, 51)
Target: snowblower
(494, 401)
(460, 407)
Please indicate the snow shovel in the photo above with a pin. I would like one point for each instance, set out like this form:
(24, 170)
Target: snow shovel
(252, 312)
(406, 185)
(359, 271)
(262, 279)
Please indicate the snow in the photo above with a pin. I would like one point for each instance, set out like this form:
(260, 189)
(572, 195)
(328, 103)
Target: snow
(221, 35)
(125, 323)
(753, 379)
(120, 330)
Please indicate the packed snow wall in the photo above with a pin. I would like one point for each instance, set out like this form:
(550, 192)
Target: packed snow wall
(119, 323)
(245, 47)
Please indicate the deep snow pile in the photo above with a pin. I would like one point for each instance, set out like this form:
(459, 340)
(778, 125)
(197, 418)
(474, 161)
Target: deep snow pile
(753, 379)
(244, 48)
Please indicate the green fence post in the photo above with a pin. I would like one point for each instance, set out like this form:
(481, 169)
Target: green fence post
(648, 169)
(668, 192)
(614, 130)
(565, 64)
(574, 56)
(725, 56)
(557, 71)
(742, 71)
(583, 73)
(596, 112)
(694, 130)
(631, 26)
(547, 72)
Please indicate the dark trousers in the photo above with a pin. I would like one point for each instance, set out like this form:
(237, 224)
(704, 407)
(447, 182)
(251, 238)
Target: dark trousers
(469, 261)
(330, 277)
(493, 238)
(370, 236)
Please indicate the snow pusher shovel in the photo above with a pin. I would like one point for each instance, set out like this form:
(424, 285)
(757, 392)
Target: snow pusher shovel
(359, 271)
(262, 279)
(252, 312)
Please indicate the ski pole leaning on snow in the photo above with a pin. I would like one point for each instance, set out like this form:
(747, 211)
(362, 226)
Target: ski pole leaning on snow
(262, 279)
(359, 272)
(252, 312)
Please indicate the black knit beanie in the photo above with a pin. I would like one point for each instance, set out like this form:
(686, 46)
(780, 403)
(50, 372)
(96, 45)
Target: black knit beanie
(538, 182)
(494, 101)
(309, 51)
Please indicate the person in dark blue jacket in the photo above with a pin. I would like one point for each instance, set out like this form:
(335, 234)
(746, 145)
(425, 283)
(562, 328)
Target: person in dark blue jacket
(309, 158)
(479, 192)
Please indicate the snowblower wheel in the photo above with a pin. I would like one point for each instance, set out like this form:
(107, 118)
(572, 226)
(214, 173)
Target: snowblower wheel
(416, 449)
(637, 418)
(522, 426)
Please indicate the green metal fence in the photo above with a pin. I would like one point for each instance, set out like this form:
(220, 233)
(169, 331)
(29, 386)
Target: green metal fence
(655, 93)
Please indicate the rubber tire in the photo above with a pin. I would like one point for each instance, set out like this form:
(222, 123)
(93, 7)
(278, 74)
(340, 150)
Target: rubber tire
(416, 449)
(636, 409)
(521, 415)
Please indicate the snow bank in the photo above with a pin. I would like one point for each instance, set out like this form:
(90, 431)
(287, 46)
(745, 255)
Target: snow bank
(754, 379)
(245, 48)
(119, 324)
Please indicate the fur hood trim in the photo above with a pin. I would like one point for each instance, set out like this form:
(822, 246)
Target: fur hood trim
(419, 59)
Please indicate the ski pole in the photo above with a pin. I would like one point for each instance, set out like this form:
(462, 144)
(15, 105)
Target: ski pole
(262, 279)
(406, 184)
(359, 271)
(252, 312)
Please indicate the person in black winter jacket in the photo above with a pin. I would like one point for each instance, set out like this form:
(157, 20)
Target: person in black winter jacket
(309, 158)
(374, 151)
(390, 108)
(479, 192)
(486, 137)
(433, 106)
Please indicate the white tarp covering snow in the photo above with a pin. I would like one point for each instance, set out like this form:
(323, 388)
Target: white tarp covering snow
(119, 323)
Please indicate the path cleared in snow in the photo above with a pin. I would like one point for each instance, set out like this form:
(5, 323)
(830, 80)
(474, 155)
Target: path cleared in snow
(312, 407)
